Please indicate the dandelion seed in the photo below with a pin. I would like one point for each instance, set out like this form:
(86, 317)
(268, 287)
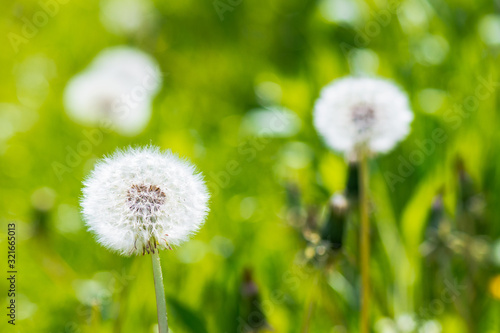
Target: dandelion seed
(370, 113)
(142, 200)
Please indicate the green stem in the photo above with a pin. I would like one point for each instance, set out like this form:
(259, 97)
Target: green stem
(161, 304)
(364, 245)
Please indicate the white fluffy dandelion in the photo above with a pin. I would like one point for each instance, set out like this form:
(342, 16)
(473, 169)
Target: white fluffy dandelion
(361, 116)
(142, 199)
(115, 91)
(368, 113)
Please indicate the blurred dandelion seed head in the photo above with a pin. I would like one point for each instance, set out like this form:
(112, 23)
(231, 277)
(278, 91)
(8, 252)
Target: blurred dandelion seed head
(489, 29)
(126, 16)
(142, 199)
(117, 89)
(360, 112)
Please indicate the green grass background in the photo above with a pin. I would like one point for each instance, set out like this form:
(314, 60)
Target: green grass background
(212, 69)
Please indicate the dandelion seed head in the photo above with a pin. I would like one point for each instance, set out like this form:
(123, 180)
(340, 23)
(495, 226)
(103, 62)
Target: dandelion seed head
(142, 199)
(362, 112)
(116, 91)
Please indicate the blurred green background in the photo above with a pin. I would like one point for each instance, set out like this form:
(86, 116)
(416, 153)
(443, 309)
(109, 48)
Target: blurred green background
(432, 270)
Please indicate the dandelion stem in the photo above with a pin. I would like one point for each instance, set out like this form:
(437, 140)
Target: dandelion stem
(161, 304)
(364, 244)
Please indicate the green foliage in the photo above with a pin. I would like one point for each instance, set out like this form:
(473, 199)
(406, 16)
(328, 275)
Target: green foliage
(215, 66)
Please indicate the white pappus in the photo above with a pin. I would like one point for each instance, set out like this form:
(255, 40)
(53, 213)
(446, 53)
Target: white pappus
(361, 112)
(140, 200)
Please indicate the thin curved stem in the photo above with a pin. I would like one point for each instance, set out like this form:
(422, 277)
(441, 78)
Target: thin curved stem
(364, 245)
(161, 304)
